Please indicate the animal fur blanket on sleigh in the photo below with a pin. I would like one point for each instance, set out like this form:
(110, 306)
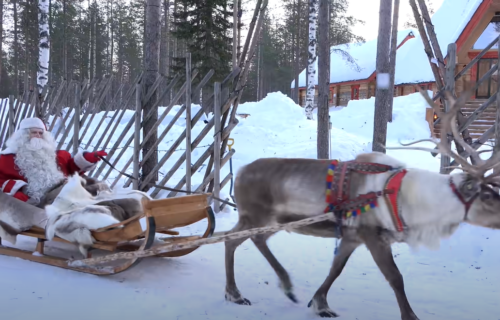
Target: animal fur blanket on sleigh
(72, 215)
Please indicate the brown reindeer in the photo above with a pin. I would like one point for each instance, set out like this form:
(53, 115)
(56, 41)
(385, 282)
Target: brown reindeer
(414, 206)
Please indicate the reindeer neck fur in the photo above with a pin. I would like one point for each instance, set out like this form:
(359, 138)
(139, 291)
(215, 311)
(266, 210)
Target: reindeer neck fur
(429, 207)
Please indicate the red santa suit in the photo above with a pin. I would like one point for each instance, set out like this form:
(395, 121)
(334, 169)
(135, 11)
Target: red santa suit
(11, 180)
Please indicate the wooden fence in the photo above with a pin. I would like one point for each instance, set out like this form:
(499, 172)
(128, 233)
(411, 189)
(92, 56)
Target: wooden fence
(183, 147)
(465, 122)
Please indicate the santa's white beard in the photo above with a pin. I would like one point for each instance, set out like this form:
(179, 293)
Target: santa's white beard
(37, 162)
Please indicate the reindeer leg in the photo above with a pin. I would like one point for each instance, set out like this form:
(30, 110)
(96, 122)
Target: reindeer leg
(382, 254)
(232, 292)
(319, 300)
(260, 242)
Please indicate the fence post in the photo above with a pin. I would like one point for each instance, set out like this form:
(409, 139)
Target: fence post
(449, 86)
(11, 115)
(76, 116)
(188, 121)
(217, 143)
(137, 134)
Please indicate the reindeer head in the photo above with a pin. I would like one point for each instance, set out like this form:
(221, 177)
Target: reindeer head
(476, 189)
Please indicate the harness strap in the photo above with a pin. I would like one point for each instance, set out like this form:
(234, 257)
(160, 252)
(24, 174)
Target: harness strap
(394, 184)
(467, 204)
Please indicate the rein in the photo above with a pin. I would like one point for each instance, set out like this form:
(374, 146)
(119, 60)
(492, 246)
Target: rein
(162, 187)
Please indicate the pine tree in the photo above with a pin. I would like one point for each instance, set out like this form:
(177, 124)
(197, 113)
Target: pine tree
(204, 29)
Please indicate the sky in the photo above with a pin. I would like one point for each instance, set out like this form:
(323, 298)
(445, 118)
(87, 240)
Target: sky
(368, 13)
(370, 29)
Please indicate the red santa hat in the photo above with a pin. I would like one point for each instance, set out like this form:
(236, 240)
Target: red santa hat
(29, 123)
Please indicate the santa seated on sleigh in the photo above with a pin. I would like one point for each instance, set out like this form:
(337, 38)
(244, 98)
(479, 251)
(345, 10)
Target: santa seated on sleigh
(46, 188)
(31, 165)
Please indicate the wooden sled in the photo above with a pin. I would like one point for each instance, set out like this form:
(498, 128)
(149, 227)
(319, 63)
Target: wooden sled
(138, 233)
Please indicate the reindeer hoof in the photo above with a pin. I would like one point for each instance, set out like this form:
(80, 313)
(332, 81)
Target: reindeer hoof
(292, 297)
(324, 312)
(328, 314)
(240, 300)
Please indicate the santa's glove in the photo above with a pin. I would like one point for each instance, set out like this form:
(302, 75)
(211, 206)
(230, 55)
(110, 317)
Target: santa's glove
(93, 157)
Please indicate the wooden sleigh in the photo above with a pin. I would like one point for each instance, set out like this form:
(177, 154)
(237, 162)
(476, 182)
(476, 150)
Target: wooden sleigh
(138, 233)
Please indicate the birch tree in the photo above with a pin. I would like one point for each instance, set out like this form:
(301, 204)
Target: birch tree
(311, 68)
(44, 50)
(1, 38)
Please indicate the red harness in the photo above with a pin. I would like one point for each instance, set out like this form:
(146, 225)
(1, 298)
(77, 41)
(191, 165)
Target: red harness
(337, 194)
(467, 204)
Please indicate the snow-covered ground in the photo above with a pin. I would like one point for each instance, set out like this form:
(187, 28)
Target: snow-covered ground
(459, 281)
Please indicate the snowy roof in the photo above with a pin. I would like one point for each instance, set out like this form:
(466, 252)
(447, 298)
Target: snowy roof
(364, 54)
(412, 64)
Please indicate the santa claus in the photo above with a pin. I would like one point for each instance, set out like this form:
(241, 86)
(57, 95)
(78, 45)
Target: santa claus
(31, 165)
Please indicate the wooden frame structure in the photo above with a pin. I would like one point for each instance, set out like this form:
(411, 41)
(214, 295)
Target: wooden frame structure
(465, 122)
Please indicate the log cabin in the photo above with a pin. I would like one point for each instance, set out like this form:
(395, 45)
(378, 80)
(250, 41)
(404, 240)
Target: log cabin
(471, 24)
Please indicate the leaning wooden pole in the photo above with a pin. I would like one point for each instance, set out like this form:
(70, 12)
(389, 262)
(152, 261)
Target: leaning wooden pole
(197, 243)
(188, 121)
(427, 46)
(432, 36)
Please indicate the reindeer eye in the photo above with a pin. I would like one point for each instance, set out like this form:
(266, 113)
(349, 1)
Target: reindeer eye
(486, 195)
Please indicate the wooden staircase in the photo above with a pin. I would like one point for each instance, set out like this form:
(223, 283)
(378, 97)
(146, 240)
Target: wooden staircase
(481, 124)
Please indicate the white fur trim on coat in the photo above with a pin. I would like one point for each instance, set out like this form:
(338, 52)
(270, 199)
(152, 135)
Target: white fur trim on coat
(8, 150)
(28, 123)
(18, 185)
(82, 163)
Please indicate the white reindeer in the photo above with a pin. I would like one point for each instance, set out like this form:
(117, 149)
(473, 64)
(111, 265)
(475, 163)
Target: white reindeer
(414, 206)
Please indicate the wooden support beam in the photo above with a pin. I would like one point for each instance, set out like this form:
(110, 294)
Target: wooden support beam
(217, 142)
(450, 86)
(188, 121)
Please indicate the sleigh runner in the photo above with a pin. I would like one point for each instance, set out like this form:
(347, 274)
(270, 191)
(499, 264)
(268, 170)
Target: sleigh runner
(137, 233)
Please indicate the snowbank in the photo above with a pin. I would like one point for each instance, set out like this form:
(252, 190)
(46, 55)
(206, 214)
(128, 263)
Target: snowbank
(277, 127)
(408, 118)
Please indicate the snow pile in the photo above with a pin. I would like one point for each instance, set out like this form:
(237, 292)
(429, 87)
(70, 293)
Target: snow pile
(277, 127)
(408, 118)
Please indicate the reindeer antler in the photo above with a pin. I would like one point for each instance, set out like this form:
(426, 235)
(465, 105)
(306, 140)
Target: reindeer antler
(449, 124)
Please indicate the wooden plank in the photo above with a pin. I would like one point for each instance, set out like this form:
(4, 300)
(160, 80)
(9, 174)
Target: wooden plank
(172, 122)
(4, 119)
(141, 146)
(76, 121)
(188, 199)
(471, 118)
(130, 231)
(195, 167)
(210, 177)
(450, 86)
(217, 142)
(180, 208)
(39, 233)
(188, 121)
(137, 133)
(11, 115)
(178, 219)
(496, 148)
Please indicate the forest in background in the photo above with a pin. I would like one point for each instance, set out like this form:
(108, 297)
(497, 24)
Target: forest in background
(97, 38)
